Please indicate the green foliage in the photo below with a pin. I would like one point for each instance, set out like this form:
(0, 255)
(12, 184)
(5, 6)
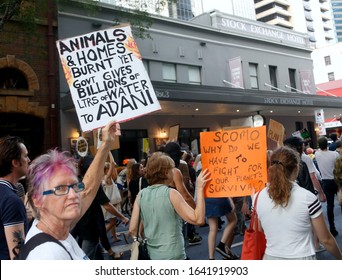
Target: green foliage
(140, 22)
(22, 11)
(338, 171)
(8, 9)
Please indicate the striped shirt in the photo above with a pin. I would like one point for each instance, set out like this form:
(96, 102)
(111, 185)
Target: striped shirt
(288, 229)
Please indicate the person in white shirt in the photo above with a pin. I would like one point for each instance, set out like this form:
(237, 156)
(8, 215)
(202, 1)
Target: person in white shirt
(287, 212)
(326, 162)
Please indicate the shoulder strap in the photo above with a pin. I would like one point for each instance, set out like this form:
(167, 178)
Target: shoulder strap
(256, 200)
(35, 241)
(139, 219)
(254, 218)
(140, 182)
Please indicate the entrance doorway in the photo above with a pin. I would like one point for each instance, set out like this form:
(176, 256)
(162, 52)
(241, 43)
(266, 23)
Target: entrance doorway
(131, 144)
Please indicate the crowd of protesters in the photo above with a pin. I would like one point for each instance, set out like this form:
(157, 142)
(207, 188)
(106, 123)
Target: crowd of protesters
(78, 206)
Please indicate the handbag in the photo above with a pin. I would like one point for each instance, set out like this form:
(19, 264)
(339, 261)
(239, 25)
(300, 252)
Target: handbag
(139, 246)
(112, 192)
(254, 241)
(116, 196)
(139, 249)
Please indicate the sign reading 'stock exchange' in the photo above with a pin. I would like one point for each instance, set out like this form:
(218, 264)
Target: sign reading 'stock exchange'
(106, 77)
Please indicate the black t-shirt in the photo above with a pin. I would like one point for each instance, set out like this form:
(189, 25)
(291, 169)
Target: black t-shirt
(134, 187)
(304, 179)
(92, 225)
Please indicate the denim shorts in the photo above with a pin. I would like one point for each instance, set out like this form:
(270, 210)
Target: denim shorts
(217, 207)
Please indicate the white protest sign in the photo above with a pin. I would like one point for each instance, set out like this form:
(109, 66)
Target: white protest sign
(106, 77)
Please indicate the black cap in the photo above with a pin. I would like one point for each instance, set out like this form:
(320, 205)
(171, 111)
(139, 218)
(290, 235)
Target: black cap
(333, 136)
(173, 149)
(294, 141)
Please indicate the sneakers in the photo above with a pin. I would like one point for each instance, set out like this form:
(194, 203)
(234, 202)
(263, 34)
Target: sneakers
(226, 253)
(195, 240)
(231, 257)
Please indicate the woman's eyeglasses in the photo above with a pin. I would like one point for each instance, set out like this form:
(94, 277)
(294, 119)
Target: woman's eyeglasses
(64, 189)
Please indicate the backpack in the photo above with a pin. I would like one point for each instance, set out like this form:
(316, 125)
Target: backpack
(21, 251)
(338, 171)
(304, 179)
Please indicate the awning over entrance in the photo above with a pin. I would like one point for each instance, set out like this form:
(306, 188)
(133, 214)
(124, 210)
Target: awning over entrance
(333, 88)
(334, 122)
(226, 101)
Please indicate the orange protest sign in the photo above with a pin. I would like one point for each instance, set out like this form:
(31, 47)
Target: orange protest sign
(236, 160)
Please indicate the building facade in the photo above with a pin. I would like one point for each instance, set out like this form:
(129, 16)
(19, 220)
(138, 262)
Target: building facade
(209, 74)
(328, 63)
(29, 83)
(337, 15)
(241, 8)
(311, 17)
(213, 72)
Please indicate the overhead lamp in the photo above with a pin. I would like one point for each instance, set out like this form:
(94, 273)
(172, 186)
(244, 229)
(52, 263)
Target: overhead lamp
(76, 133)
(162, 133)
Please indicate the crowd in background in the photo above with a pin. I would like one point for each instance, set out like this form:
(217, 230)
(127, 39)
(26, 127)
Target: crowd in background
(81, 203)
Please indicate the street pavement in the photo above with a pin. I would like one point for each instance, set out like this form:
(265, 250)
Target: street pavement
(200, 251)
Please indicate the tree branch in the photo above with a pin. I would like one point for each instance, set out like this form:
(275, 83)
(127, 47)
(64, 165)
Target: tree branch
(10, 7)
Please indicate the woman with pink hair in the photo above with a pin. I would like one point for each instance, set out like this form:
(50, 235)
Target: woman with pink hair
(60, 200)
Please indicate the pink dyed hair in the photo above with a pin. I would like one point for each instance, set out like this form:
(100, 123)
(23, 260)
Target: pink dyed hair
(43, 168)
